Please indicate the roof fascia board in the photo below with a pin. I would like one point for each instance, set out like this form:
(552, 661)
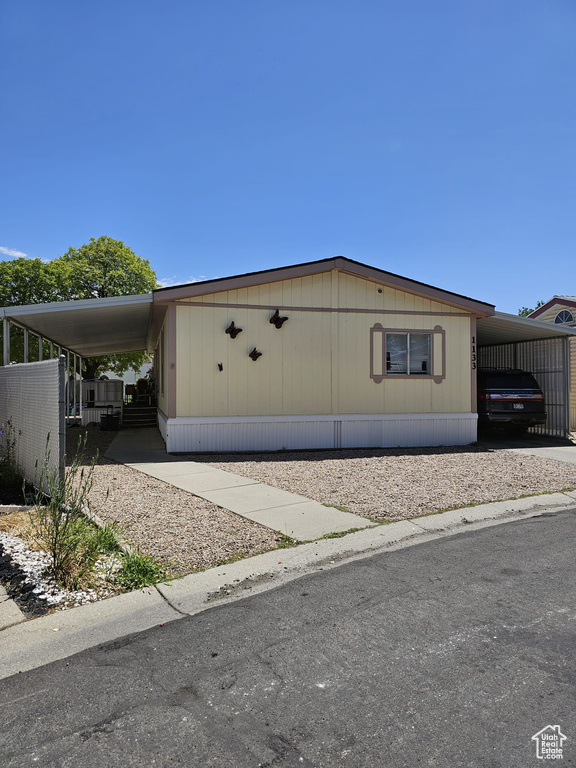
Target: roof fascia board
(354, 268)
(66, 306)
(243, 281)
(420, 289)
(556, 301)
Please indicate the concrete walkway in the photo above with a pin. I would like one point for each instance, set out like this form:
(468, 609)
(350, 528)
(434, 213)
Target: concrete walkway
(566, 453)
(532, 445)
(9, 612)
(288, 513)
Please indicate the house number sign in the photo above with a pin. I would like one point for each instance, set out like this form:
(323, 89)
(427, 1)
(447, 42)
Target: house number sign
(473, 353)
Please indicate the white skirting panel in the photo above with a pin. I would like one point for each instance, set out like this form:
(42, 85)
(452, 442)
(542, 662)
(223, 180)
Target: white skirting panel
(277, 433)
(162, 422)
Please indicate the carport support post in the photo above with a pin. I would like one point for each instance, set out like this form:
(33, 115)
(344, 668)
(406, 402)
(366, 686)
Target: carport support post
(567, 387)
(74, 384)
(40, 348)
(67, 382)
(80, 385)
(6, 340)
(25, 345)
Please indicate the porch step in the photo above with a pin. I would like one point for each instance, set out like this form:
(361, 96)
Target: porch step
(139, 416)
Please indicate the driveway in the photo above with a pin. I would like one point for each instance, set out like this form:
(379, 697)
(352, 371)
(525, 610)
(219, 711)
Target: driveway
(533, 445)
(450, 653)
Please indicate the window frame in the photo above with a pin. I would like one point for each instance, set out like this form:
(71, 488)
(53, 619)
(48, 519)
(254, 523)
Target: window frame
(564, 322)
(437, 362)
(408, 372)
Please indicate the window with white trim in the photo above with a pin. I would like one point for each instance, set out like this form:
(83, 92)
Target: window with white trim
(408, 354)
(564, 316)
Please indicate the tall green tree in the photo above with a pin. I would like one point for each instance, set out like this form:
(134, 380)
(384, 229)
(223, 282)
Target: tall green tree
(102, 268)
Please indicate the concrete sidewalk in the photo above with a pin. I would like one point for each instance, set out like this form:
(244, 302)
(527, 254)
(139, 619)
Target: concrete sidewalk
(288, 513)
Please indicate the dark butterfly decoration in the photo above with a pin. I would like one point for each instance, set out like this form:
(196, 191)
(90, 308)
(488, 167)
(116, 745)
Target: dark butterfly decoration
(233, 331)
(277, 320)
(255, 354)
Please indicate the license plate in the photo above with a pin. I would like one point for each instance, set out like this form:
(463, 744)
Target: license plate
(519, 406)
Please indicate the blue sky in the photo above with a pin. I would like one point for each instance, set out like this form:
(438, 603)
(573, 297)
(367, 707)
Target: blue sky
(436, 140)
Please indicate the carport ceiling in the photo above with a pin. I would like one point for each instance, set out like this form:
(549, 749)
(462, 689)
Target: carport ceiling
(502, 328)
(91, 327)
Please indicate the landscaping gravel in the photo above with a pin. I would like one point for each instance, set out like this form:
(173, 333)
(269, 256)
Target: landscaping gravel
(23, 572)
(182, 531)
(394, 484)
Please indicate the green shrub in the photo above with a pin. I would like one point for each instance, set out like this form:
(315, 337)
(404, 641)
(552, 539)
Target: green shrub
(139, 570)
(10, 472)
(106, 539)
(58, 522)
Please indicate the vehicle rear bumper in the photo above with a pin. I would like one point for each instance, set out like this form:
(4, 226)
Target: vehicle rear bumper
(520, 420)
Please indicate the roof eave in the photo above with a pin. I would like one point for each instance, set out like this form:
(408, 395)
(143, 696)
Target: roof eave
(480, 308)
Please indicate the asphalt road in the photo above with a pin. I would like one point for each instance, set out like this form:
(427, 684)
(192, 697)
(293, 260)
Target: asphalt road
(450, 653)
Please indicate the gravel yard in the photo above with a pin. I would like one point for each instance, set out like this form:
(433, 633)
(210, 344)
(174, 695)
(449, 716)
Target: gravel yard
(392, 484)
(182, 531)
(186, 533)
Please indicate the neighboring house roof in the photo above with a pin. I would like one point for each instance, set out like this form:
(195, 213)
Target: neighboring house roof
(556, 301)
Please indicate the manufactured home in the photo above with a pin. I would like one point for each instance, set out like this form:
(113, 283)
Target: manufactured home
(329, 354)
(325, 354)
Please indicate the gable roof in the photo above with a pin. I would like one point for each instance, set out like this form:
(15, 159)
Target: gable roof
(349, 266)
(559, 301)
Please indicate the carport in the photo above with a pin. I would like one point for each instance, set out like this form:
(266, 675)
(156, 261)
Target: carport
(509, 341)
(56, 336)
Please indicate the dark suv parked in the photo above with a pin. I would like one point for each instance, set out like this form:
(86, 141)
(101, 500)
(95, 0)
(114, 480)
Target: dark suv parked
(510, 399)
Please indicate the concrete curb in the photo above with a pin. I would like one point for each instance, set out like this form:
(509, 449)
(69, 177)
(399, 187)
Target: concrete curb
(40, 641)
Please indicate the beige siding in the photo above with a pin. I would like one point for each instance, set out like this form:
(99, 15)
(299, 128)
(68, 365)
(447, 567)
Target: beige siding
(319, 361)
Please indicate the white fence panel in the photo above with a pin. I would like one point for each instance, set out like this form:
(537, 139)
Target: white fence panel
(32, 399)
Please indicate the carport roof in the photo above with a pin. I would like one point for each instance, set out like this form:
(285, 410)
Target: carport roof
(89, 327)
(502, 328)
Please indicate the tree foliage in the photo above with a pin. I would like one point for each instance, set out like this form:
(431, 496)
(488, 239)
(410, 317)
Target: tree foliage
(101, 268)
(525, 311)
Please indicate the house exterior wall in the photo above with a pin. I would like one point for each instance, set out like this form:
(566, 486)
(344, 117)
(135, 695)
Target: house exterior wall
(161, 365)
(319, 361)
(312, 386)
